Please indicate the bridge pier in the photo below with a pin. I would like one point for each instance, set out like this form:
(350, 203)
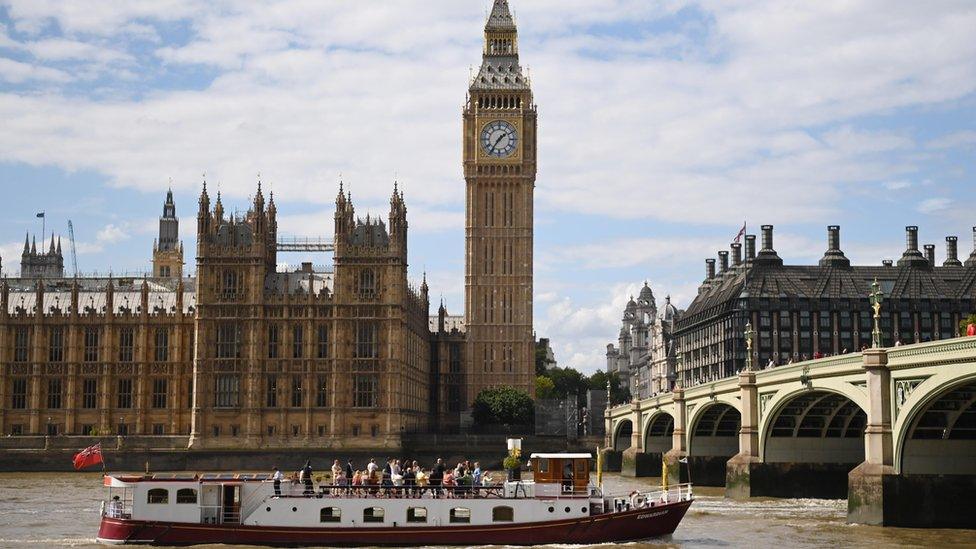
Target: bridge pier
(633, 456)
(873, 485)
(739, 470)
(679, 440)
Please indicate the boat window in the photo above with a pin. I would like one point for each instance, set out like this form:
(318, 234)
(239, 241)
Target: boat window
(543, 465)
(373, 514)
(503, 514)
(330, 514)
(186, 495)
(158, 495)
(417, 514)
(461, 515)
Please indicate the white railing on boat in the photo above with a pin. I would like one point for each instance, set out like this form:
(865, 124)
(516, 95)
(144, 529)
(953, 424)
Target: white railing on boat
(651, 498)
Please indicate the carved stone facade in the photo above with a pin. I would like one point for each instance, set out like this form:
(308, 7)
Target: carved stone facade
(244, 355)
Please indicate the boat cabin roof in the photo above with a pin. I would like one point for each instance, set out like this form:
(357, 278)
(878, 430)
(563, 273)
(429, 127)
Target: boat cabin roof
(560, 456)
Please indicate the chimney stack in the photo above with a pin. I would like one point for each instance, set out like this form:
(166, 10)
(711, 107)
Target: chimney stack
(912, 256)
(911, 238)
(736, 254)
(767, 239)
(709, 269)
(952, 252)
(887, 262)
(930, 254)
(751, 245)
(723, 261)
(834, 256)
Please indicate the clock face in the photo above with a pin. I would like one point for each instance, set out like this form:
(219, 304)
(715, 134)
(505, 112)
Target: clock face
(499, 139)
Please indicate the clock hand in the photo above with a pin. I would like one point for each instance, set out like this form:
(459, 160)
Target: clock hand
(497, 141)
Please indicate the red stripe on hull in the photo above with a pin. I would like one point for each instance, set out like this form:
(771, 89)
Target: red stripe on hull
(613, 527)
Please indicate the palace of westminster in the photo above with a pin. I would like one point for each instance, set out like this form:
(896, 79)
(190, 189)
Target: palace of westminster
(240, 354)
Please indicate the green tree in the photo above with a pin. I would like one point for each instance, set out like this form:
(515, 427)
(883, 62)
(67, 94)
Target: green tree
(619, 392)
(544, 387)
(568, 383)
(540, 360)
(503, 406)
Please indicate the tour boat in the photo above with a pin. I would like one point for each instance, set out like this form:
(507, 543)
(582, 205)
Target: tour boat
(559, 506)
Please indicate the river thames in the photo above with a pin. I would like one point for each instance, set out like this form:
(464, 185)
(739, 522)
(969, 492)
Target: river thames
(61, 510)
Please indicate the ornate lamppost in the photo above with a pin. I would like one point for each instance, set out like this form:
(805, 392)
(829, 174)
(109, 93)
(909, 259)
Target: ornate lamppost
(876, 297)
(749, 334)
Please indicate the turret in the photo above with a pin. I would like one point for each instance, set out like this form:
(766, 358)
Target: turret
(203, 214)
(952, 252)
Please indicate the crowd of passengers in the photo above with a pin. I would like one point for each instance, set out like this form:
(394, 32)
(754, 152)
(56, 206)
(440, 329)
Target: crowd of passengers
(394, 479)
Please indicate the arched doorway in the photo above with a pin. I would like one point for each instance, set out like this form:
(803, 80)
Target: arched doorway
(812, 442)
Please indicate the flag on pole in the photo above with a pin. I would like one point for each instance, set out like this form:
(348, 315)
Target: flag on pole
(40, 215)
(742, 233)
(88, 457)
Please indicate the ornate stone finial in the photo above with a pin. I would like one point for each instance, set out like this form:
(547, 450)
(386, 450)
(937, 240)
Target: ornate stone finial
(608, 389)
(749, 334)
(876, 296)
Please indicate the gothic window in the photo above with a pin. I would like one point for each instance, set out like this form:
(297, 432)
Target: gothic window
(367, 344)
(21, 344)
(271, 386)
(230, 283)
(322, 392)
(54, 393)
(323, 341)
(227, 388)
(228, 340)
(297, 341)
(56, 344)
(296, 391)
(162, 344)
(367, 282)
(160, 389)
(164, 271)
(91, 344)
(18, 393)
(365, 387)
(274, 337)
(124, 394)
(89, 393)
(126, 344)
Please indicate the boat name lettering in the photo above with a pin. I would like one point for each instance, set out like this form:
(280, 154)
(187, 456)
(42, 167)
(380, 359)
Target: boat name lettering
(650, 515)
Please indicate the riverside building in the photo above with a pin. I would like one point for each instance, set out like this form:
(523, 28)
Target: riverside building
(240, 354)
(800, 312)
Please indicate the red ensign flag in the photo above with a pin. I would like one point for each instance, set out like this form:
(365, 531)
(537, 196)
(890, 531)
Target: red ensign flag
(88, 457)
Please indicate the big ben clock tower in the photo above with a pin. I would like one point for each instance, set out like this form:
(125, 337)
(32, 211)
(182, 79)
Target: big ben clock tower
(499, 171)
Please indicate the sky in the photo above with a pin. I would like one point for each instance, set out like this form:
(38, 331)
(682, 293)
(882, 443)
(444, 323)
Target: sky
(664, 125)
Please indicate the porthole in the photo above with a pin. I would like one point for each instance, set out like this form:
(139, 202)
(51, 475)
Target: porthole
(552, 509)
(268, 509)
(294, 509)
(567, 509)
(583, 510)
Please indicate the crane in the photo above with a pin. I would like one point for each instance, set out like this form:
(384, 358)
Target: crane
(74, 255)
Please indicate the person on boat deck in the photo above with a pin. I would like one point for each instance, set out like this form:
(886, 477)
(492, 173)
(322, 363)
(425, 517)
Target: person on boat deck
(448, 482)
(387, 481)
(349, 470)
(476, 474)
(568, 475)
(338, 477)
(437, 476)
(306, 478)
(277, 477)
(422, 479)
(372, 467)
(409, 480)
(115, 507)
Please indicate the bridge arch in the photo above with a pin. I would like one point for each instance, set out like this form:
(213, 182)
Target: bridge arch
(714, 430)
(658, 433)
(816, 425)
(621, 434)
(935, 431)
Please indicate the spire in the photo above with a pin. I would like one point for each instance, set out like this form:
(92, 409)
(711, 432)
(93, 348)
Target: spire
(59, 245)
(501, 17)
(26, 243)
(51, 250)
(33, 250)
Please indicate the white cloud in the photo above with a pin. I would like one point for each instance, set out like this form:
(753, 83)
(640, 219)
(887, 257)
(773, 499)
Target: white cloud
(17, 72)
(955, 140)
(933, 205)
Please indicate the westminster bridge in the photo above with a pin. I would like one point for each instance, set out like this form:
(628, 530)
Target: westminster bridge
(892, 430)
